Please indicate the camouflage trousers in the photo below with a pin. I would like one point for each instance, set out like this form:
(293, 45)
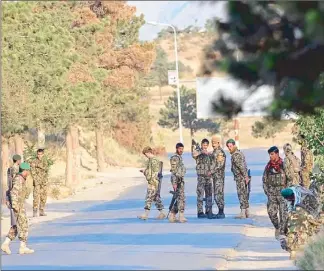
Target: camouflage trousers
(300, 229)
(306, 179)
(242, 192)
(21, 227)
(152, 195)
(181, 200)
(276, 204)
(218, 184)
(204, 186)
(39, 195)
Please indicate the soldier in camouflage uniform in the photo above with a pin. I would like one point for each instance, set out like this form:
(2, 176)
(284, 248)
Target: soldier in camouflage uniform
(240, 172)
(274, 180)
(204, 184)
(291, 166)
(39, 173)
(151, 174)
(178, 171)
(303, 218)
(18, 194)
(15, 167)
(218, 174)
(307, 161)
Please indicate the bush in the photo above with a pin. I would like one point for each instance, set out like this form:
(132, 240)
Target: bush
(312, 258)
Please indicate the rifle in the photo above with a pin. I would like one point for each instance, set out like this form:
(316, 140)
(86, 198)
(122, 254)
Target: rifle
(196, 145)
(248, 186)
(160, 176)
(173, 201)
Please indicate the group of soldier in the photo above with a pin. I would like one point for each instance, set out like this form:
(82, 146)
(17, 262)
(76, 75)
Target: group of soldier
(17, 193)
(286, 183)
(210, 168)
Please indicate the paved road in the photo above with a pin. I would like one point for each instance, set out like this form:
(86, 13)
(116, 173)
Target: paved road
(107, 235)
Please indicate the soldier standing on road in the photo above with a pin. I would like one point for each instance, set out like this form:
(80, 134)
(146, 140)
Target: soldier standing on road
(178, 171)
(218, 175)
(291, 166)
(18, 194)
(204, 184)
(151, 174)
(307, 161)
(274, 180)
(39, 173)
(240, 172)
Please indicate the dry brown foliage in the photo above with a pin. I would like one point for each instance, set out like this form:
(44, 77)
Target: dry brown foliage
(84, 15)
(79, 73)
(118, 10)
(123, 77)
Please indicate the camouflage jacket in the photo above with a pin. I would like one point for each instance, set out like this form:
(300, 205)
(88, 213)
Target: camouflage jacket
(152, 171)
(239, 167)
(203, 164)
(292, 169)
(39, 169)
(218, 160)
(273, 182)
(18, 193)
(307, 159)
(177, 167)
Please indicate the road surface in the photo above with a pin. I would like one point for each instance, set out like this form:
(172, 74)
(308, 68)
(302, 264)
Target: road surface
(104, 235)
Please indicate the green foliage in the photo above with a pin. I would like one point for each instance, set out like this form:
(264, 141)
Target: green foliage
(282, 46)
(312, 127)
(312, 258)
(211, 26)
(170, 117)
(267, 128)
(30, 153)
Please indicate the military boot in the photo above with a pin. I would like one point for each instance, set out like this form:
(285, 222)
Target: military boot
(42, 213)
(5, 246)
(241, 214)
(172, 217)
(201, 215)
(24, 249)
(144, 216)
(35, 213)
(182, 218)
(210, 214)
(292, 255)
(220, 214)
(161, 215)
(277, 233)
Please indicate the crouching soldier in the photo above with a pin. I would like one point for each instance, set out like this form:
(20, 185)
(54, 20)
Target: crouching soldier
(18, 194)
(303, 218)
(178, 171)
(151, 174)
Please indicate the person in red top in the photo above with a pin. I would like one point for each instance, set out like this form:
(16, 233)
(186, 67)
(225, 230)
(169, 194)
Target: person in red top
(274, 180)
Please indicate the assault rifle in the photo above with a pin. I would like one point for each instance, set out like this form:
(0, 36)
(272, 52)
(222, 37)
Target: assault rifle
(160, 176)
(196, 145)
(248, 186)
(173, 202)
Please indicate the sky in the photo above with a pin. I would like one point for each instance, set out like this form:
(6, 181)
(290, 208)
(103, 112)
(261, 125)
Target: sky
(178, 13)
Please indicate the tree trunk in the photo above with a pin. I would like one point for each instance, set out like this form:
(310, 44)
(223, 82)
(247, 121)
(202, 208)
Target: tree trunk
(4, 168)
(69, 159)
(192, 133)
(100, 150)
(41, 138)
(12, 148)
(160, 90)
(76, 155)
(19, 146)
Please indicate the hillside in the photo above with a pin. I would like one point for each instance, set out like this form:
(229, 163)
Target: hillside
(190, 52)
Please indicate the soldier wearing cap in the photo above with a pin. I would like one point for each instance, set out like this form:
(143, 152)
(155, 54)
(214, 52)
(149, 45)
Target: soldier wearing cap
(18, 194)
(274, 180)
(39, 173)
(151, 174)
(12, 171)
(218, 174)
(240, 172)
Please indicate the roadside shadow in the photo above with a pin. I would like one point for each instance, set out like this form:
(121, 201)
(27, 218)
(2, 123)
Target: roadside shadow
(77, 267)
